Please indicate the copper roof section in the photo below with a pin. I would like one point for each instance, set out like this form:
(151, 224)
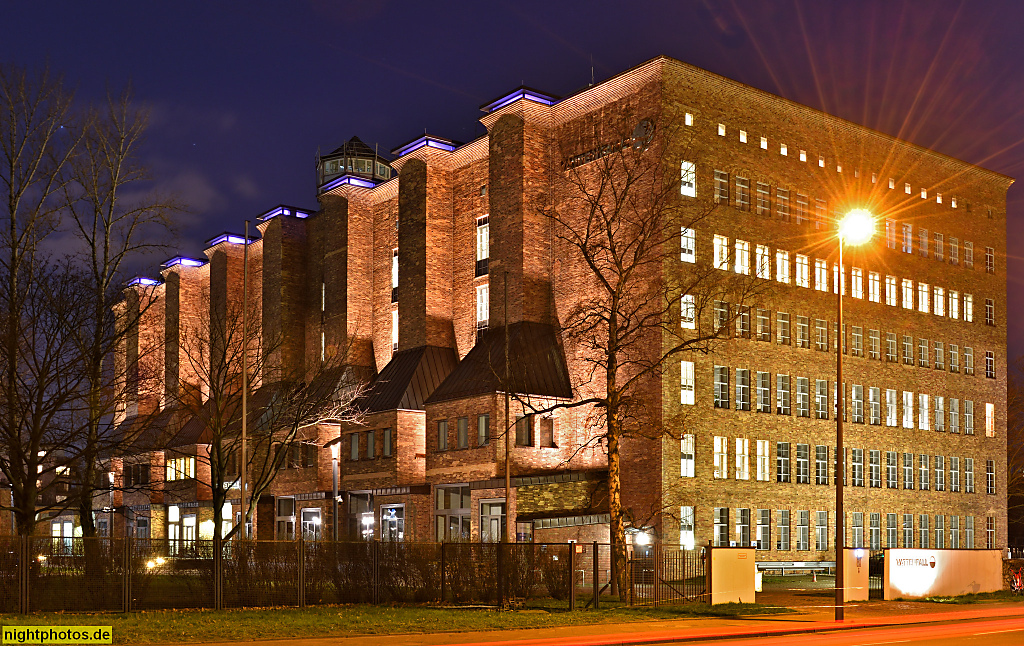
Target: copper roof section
(408, 379)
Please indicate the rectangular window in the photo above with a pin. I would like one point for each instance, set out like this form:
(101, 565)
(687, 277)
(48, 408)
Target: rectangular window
(908, 294)
(891, 291)
(990, 364)
(721, 187)
(908, 531)
(969, 308)
(857, 341)
(394, 275)
(968, 254)
(954, 415)
(940, 473)
(483, 429)
(908, 409)
(968, 475)
(483, 245)
(442, 435)
(891, 531)
(524, 430)
(462, 432)
(908, 470)
(922, 353)
(968, 361)
(923, 472)
(686, 528)
(890, 470)
(908, 238)
(742, 254)
(803, 397)
(990, 312)
(922, 242)
(483, 306)
(968, 417)
(857, 529)
(990, 532)
(803, 464)
(721, 526)
(821, 398)
(821, 335)
(940, 531)
(908, 350)
(687, 245)
(782, 266)
(782, 473)
(954, 304)
(938, 247)
(803, 530)
(890, 347)
(687, 312)
(782, 203)
(954, 251)
(743, 528)
(954, 358)
(938, 301)
(969, 532)
(742, 458)
(394, 329)
(764, 404)
(875, 469)
(990, 477)
(803, 332)
(954, 474)
(874, 344)
(686, 385)
(821, 465)
(763, 262)
(743, 193)
(990, 420)
(721, 386)
(924, 414)
(856, 283)
(820, 274)
(954, 532)
(940, 412)
(891, 416)
(890, 230)
(857, 401)
(721, 252)
(803, 275)
(764, 330)
(782, 527)
(686, 456)
(876, 531)
(857, 467)
(721, 457)
(371, 445)
(743, 321)
(874, 406)
(764, 206)
(687, 179)
(940, 356)
(820, 215)
(782, 327)
(764, 536)
(742, 389)
(874, 287)
(802, 214)
(990, 260)
(923, 298)
(762, 461)
(782, 393)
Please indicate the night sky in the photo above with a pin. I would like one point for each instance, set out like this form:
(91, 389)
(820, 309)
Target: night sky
(243, 95)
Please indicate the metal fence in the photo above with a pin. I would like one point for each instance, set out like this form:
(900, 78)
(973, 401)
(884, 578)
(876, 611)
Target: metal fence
(124, 574)
(666, 574)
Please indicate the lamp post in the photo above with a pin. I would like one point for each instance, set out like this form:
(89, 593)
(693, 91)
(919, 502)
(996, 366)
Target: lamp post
(855, 228)
(334, 490)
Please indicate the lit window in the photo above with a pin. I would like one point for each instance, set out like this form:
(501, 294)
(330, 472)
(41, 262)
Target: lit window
(891, 291)
(763, 262)
(923, 298)
(688, 119)
(782, 266)
(908, 294)
(820, 274)
(908, 409)
(742, 257)
(924, 194)
(924, 415)
(687, 313)
(394, 329)
(952, 203)
(938, 198)
(782, 203)
(721, 130)
(908, 238)
(764, 143)
(743, 136)
(483, 245)
(907, 189)
(890, 233)
(803, 278)
(687, 245)
(742, 458)
(688, 179)
(938, 301)
(686, 456)
(483, 305)
(803, 155)
(686, 527)
(762, 460)
(856, 283)
(969, 308)
(721, 248)
(783, 150)
(721, 187)
(721, 457)
(990, 420)
(954, 304)
(892, 183)
(686, 385)
(821, 161)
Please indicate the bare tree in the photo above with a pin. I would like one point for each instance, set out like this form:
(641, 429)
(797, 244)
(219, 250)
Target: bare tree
(115, 223)
(1015, 451)
(38, 136)
(618, 218)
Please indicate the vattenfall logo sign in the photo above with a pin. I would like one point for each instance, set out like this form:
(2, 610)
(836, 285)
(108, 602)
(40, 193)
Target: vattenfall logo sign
(642, 136)
(928, 562)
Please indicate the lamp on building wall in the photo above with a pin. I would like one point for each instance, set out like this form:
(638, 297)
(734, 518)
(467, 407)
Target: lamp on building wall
(856, 228)
(334, 498)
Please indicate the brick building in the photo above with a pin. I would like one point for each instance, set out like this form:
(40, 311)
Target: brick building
(428, 269)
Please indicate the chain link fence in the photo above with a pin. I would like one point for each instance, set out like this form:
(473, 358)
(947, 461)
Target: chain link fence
(121, 575)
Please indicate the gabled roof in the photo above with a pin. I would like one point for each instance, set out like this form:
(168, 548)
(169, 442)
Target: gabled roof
(355, 147)
(408, 379)
(536, 360)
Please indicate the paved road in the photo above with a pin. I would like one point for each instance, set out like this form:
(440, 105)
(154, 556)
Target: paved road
(993, 632)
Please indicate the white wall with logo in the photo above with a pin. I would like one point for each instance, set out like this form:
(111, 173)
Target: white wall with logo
(911, 574)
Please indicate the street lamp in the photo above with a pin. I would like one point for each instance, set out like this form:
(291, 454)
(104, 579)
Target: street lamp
(856, 228)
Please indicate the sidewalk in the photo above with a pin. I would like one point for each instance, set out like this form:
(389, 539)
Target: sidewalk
(805, 619)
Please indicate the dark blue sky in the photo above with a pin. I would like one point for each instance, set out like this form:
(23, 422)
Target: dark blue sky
(243, 94)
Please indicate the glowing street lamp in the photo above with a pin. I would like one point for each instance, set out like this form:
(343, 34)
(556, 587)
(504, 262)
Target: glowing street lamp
(856, 228)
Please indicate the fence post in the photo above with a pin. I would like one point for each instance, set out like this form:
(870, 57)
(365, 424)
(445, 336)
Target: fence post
(302, 573)
(442, 572)
(597, 581)
(501, 575)
(572, 576)
(126, 590)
